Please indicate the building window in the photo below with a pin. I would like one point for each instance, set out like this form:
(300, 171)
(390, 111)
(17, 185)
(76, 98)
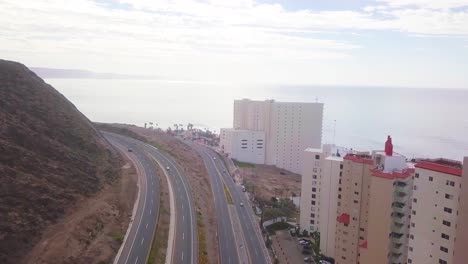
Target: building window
(312, 221)
(314, 169)
(413, 224)
(313, 202)
(444, 236)
(444, 249)
(431, 178)
(413, 212)
(341, 166)
(312, 215)
(317, 156)
(313, 196)
(411, 236)
(314, 189)
(415, 200)
(415, 187)
(450, 183)
(410, 249)
(314, 176)
(410, 260)
(449, 196)
(357, 193)
(446, 223)
(441, 261)
(417, 175)
(339, 196)
(448, 210)
(355, 201)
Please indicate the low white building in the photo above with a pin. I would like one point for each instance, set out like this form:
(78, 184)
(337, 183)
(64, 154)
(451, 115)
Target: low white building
(243, 145)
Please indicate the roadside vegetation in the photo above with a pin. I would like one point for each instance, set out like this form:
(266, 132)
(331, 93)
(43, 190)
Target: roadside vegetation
(243, 164)
(202, 254)
(227, 193)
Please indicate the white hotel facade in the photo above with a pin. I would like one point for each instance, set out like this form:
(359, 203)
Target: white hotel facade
(286, 129)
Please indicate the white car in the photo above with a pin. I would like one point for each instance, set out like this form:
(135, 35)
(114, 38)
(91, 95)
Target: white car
(242, 204)
(214, 158)
(167, 168)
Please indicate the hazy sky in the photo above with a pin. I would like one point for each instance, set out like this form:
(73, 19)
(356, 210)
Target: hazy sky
(420, 43)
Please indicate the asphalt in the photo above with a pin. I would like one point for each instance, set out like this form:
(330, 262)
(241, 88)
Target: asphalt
(138, 241)
(218, 172)
(137, 245)
(227, 243)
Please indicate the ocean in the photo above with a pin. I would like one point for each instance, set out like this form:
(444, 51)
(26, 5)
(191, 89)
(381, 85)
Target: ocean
(426, 123)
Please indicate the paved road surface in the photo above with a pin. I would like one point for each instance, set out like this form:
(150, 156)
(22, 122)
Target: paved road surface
(255, 245)
(227, 244)
(185, 248)
(138, 242)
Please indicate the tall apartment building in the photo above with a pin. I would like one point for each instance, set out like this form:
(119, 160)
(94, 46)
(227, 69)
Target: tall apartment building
(436, 206)
(289, 129)
(461, 254)
(352, 207)
(319, 193)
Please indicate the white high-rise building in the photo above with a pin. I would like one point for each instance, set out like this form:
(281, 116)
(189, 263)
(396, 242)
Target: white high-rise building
(289, 129)
(321, 173)
(244, 145)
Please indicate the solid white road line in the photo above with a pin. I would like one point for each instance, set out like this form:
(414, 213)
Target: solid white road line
(146, 225)
(182, 255)
(136, 260)
(143, 239)
(183, 236)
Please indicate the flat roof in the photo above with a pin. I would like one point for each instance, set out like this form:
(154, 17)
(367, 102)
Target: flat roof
(446, 166)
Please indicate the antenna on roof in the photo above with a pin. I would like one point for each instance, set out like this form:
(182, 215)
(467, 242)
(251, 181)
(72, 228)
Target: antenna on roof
(334, 131)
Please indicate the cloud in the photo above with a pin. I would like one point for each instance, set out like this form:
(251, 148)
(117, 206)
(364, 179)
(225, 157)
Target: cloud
(193, 38)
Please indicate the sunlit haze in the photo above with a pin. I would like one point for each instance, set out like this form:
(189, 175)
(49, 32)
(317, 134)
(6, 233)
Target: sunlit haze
(408, 43)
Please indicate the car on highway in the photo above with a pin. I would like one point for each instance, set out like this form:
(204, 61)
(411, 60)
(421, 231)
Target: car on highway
(168, 168)
(130, 150)
(308, 259)
(242, 204)
(214, 158)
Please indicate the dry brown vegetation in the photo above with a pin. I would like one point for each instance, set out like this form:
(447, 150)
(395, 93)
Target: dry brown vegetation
(51, 157)
(267, 181)
(93, 230)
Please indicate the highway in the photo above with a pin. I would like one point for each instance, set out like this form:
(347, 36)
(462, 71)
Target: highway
(139, 236)
(185, 244)
(227, 243)
(255, 245)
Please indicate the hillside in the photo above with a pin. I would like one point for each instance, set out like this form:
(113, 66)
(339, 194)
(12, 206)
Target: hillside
(51, 156)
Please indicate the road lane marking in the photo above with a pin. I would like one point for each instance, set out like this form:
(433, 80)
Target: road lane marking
(182, 255)
(150, 211)
(183, 236)
(146, 225)
(136, 260)
(183, 218)
(143, 239)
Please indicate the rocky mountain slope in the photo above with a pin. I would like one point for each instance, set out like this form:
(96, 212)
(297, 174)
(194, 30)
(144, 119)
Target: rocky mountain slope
(50, 157)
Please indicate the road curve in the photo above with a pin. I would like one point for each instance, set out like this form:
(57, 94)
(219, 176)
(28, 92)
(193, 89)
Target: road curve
(185, 247)
(228, 248)
(256, 246)
(137, 242)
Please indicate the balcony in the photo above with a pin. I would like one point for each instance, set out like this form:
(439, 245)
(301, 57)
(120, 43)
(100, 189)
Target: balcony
(397, 238)
(400, 197)
(400, 207)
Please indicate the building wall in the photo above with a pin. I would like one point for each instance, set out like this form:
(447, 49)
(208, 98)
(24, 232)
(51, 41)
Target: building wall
(429, 200)
(243, 145)
(461, 252)
(351, 202)
(293, 128)
(289, 128)
(331, 170)
(310, 184)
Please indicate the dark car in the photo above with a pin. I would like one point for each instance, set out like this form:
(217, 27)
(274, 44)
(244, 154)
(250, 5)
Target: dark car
(130, 150)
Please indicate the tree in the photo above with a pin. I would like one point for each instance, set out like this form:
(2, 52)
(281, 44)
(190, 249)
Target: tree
(176, 126)
(316, 246)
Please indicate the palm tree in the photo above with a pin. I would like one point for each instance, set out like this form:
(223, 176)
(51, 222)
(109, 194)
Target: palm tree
(176, 127)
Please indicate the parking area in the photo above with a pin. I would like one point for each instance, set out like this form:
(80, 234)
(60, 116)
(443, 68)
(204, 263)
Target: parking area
(287, 248)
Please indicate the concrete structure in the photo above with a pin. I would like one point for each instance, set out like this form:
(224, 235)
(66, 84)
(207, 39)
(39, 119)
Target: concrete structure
(385, 238)
(435, 209)
(243, 145)
(461, 254)
(319, 189)
(353, 203)
(289, 129)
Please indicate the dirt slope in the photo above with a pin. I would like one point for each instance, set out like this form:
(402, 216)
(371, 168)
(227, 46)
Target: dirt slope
(50, 157)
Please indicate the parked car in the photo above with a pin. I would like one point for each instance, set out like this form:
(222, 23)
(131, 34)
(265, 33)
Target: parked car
(308, 259)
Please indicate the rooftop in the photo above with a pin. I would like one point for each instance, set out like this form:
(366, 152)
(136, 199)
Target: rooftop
(441, 165)
(359, 158)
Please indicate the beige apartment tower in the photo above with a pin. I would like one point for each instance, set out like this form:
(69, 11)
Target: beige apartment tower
(437, 193)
